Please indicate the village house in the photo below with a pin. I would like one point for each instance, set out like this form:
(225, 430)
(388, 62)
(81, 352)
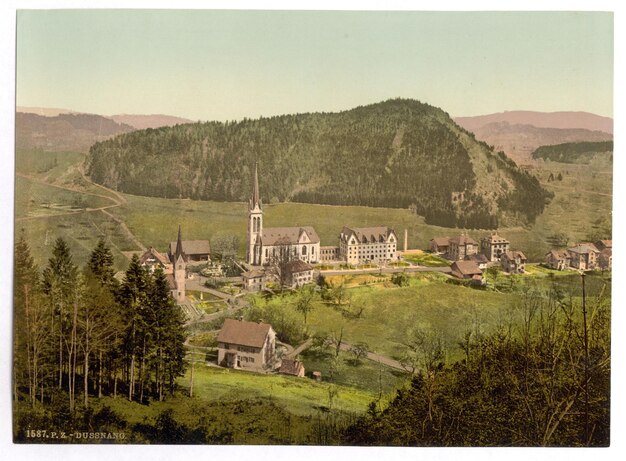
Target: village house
(583, 256)
(151, 259)
(558, 260)
(360, 245)
(246, 345)
(254, 280)
(298, 273)
(195, 250)
(292, 368)
(480, 260)
(439, 245)
(266, 245)
(513, 262)
(494, 246)
(467, 270)
(460, 247)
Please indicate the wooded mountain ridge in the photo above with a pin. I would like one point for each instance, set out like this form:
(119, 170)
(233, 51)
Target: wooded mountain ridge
(574, 152)
(399, 153)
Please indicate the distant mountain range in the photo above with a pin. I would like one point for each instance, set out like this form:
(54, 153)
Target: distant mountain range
(64, 132)
(565, 120)
(139, 122)
(519, 133)
(55, 129)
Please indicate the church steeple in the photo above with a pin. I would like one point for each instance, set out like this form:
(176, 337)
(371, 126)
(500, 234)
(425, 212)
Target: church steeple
(179, 245)
(255, 201)
(255, 222)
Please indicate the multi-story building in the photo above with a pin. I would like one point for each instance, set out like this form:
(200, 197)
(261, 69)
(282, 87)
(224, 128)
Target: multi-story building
(248, 345)
(494, 246)
(360, 245)
(583, 256)
(460, 247)
(513, 262)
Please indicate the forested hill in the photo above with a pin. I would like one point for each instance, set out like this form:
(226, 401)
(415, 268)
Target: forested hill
(398, 153)
(574, 152)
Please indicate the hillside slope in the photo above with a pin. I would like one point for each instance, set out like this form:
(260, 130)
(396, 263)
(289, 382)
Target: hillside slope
(399, 153)
(64, 132)
(577, 152)
(142, 122)
(519, 141)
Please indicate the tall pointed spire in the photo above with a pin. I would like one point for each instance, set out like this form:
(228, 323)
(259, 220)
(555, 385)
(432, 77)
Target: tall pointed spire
(256, 199)
(179, 244)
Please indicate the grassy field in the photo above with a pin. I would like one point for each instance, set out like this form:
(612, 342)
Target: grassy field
(582, 205)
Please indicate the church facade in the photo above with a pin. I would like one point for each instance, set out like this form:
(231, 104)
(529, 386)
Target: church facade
(267, 244)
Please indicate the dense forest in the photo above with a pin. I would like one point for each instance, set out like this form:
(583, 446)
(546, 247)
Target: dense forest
(399, 153)
(574, 152)
(543, 380)
(81, 334)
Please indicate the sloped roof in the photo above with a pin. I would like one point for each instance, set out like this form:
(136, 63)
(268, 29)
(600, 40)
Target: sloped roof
(368, 234)
(584, 248)
(192, 247)
(477, 258)
(290, 367)
(514, 254)
(441, 241)
(558, 254)
(151, 253)
(288, 235)
(463, 240)
(253, 274)
(495, 238)
(171, 281)
(602, 244)
(298, 265)
(244, 333)
(466, 267)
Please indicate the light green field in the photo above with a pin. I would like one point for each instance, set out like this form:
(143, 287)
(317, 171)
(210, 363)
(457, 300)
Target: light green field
(578, 209)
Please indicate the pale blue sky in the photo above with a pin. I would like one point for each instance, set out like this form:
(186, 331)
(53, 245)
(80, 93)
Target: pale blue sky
(221, 65)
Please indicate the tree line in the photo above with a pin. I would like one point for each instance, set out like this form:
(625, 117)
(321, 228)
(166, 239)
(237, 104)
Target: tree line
(399, 154)
(79, 333)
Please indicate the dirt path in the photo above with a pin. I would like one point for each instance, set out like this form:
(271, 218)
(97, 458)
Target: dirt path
(117, 201)
(373, 356)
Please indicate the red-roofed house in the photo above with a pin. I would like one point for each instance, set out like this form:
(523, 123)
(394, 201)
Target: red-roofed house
(246, 345)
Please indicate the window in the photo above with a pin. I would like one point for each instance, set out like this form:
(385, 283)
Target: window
(304, 249)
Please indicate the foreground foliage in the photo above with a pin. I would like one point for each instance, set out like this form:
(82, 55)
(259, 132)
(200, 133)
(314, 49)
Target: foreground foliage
(541, 381)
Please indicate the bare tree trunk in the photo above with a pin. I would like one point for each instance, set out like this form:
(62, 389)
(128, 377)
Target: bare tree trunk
(72, 359)
(142, 371)
(100, 374)
(191, 383)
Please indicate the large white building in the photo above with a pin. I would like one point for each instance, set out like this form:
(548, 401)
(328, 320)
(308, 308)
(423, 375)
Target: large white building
(267, 244)
(360, 245)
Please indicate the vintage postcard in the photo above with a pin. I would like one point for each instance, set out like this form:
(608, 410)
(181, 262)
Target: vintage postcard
(346, 228)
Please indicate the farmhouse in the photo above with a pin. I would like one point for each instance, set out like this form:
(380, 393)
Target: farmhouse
(367, 244)
(266, 245)
(246, 345)
(460, 247)
(439, 245)
(494, 246)
(298, 273)
(584, 256)
(151, 259)
(194, 250)
(558, 259)
(480, 260)
(467, 270)
(602, 245)
(513, 262)
(254, 280)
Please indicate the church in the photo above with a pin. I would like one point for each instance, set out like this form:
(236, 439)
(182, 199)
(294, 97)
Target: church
(266, 244)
